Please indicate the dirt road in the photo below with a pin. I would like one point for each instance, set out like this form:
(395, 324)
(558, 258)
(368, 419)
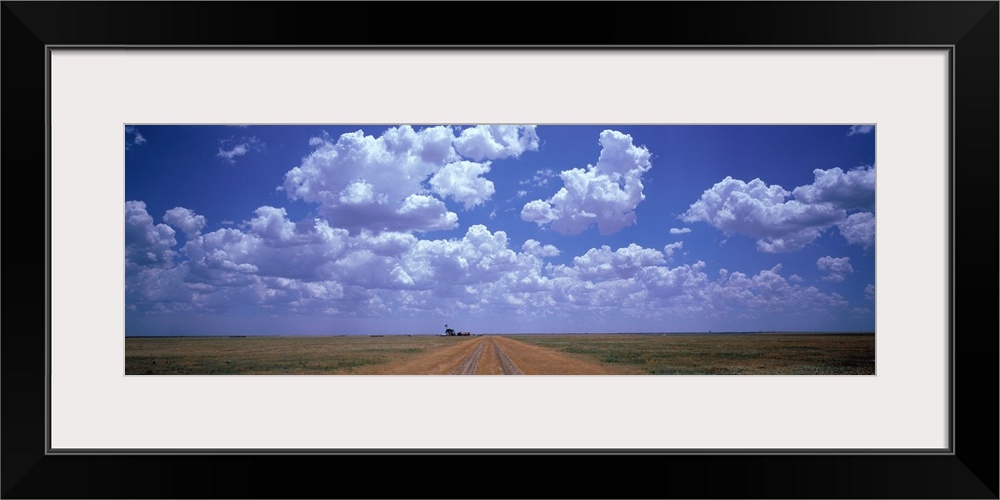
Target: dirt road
(496, 355)
(506, 365)
(470, 363)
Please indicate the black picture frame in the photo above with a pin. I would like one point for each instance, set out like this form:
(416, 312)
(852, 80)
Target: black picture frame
(970, 470)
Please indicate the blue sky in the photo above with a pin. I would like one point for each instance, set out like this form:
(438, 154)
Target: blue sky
(382, 229)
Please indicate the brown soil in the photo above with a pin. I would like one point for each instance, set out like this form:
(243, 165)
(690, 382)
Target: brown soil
(494, 355)
(534, 360)
(445, 361)
(490, 363)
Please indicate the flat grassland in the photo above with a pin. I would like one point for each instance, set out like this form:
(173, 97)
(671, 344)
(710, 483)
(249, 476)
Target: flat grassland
(636, 354)
(274, 355)
(722, 354)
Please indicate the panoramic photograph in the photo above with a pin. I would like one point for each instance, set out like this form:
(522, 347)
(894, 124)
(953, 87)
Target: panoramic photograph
(443, 249)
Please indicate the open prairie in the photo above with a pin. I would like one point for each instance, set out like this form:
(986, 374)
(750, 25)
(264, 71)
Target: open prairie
(617, 354)
(722, 354)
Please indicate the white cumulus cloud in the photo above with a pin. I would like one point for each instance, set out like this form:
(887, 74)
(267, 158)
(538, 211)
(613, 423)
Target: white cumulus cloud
(848, 190)
(146, 243)
(490, 142)
(398, 180)
(271, 246)
(859, 229)
(670, 248)
(604, 264)
(463, 181)
(785, 221)
(836, 268)
(422, 213)
(185, 220)
(389, 244)
(763, 212)
(536, 248)
(479, 256)
(377, 183)
(604, 194)
(680, 230)
(226, 257)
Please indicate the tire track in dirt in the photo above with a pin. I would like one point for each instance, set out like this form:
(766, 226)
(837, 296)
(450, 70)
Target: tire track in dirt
(495, 355)
(470, 363)
(489, 362)
(535, 360)
(506, 365)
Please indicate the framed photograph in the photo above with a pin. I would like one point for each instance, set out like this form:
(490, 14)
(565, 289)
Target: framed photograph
(726, 251)
(388, 233)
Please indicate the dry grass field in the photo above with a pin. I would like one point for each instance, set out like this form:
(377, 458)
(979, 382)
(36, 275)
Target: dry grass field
(722, 354)
(274, 355)
(729, 354)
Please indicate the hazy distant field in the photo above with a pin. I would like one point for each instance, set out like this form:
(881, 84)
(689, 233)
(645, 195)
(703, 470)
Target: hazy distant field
(730, 354)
